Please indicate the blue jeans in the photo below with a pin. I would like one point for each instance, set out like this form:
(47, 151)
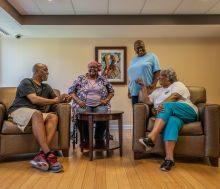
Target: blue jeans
(100, 125)
(175, 114)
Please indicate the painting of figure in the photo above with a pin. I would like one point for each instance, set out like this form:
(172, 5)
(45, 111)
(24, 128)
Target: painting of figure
(113, 61)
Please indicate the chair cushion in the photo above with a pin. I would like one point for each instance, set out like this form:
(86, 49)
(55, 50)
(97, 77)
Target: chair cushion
(11, 128)
(194, 128)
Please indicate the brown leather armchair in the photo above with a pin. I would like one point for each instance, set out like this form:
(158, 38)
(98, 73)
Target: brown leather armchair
(13, 141)
(198, 139)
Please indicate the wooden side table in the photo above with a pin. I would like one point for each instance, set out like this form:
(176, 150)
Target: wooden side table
(105, 116)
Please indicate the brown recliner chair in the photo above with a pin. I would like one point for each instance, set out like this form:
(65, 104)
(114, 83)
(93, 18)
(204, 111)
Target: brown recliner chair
(13, 141)
(198, 139)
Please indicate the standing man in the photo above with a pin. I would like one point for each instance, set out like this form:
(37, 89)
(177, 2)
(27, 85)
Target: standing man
(30, 104)
(144, 68)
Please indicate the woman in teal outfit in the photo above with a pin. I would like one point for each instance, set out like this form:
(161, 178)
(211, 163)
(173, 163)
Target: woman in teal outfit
(174, 108)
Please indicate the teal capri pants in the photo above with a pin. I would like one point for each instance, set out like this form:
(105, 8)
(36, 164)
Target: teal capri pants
(175, 114)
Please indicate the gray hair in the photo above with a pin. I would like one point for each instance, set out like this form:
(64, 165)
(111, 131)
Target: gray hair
(170, 74)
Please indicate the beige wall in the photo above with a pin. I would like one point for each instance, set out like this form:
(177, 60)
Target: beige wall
(195, 60)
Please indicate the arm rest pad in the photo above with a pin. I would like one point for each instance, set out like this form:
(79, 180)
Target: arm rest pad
(140, 114)
(63, 111)
(2, 115)
(211, 124)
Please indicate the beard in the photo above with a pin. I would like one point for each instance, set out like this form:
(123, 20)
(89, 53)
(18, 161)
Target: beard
(44, 78)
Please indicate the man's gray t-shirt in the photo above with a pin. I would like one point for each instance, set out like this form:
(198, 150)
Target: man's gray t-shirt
(26, 87)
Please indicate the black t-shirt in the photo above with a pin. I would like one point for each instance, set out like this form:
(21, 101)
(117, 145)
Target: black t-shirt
(26, 87)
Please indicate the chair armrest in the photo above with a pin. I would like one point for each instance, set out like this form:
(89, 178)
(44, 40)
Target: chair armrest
(2, 115)
(210, 117)
(143, 95)
(140, 114)
(63, 111)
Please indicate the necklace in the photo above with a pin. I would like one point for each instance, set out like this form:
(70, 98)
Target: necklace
(92, 83)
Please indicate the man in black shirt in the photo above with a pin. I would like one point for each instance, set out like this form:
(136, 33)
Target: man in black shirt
(30, 104)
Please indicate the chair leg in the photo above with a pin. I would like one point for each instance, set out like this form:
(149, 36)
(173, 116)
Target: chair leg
(138, 155)
(75, 132)
(74, 145)
(1, 158)
(65, 152)
(213, 161)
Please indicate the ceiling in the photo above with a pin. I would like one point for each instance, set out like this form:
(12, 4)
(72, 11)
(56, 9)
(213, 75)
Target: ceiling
(110, 18)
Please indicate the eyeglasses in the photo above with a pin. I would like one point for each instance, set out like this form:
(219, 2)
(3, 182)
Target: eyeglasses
(162, 78)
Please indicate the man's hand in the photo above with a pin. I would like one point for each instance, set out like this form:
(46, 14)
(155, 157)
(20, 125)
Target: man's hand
(129, 94)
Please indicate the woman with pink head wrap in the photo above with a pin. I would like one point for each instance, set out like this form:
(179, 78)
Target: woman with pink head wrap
(95, 63)
(92, 92)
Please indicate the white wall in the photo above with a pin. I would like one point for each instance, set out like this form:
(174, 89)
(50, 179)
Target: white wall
(195, 60)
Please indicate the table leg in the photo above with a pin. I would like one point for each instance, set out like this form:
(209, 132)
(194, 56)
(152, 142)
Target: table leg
(90, 124)
(120, 134)
(81, 134)
(107, 138)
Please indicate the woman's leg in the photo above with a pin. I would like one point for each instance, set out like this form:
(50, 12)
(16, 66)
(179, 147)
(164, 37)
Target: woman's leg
(180, 110)
(100, 125)
(170, 135)
(85, 129)
(169, 147)
(158, 127)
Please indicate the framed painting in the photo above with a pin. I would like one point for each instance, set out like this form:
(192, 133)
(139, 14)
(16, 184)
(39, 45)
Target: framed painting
(113, 60)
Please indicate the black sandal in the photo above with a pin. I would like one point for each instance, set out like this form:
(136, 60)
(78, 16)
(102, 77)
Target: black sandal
(167, 165)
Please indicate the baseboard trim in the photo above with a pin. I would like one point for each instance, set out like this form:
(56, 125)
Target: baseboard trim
(124, 126)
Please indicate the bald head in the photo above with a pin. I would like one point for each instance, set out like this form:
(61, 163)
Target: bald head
(36, 67)
(139, 48)
(139, 42)
(40, 72)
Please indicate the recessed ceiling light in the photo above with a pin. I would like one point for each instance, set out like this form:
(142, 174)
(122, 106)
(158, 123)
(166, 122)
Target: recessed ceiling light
(50, 0)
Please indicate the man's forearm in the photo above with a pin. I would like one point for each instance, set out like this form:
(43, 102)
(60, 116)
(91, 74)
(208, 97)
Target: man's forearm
(44, 101)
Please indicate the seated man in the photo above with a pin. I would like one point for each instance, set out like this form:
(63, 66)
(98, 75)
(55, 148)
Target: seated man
(32, 98)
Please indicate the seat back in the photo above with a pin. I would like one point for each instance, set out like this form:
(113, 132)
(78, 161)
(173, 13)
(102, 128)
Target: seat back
(7, 95)
(197, 94)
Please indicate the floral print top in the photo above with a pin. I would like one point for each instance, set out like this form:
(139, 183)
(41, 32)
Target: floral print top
(80, 86)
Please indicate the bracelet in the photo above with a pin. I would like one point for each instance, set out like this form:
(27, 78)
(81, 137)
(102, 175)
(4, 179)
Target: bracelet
(78, 101)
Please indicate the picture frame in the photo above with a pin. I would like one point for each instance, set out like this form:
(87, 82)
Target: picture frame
(114, 63)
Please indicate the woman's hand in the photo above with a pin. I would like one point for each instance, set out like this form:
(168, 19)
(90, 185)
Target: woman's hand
(105, 101)
(150, 88)
(139, 82)
(82, 104)
(160, 108)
